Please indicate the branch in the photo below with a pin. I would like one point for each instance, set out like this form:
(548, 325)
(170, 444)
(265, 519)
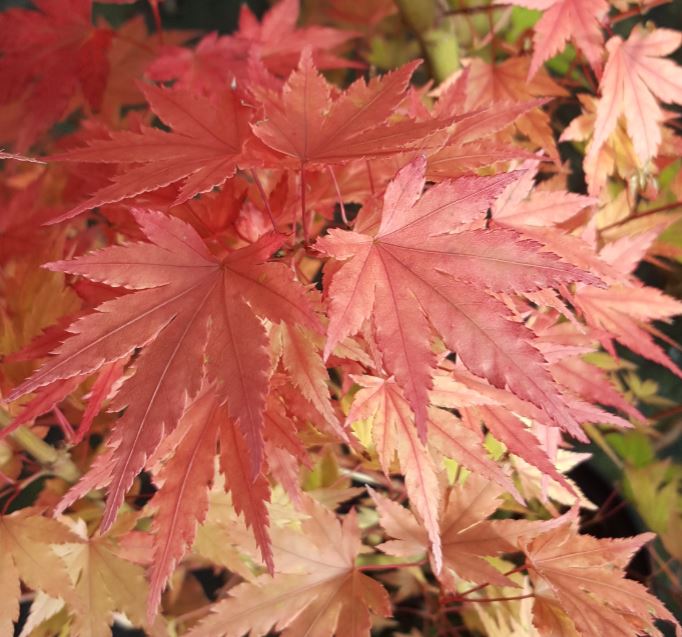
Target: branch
(58, 462)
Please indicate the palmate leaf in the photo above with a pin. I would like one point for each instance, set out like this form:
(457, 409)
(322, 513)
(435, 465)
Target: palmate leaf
(424, 271)
(394, 434)
(184, 479)
(635, 75)
(381, 403)
(577, 20)
(456, 300)
(621, 313)
(466, 534)
(201, 151)
(49, 56)
(307, 127)
(97, 569)
(318, 590)
(507, 84)
(27, 542)
(580, 582)
(186, 302)
(276, 40)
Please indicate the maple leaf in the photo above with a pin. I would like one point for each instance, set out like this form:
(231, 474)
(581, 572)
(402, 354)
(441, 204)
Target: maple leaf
(363, 16)
(635, 75)
(97, 571)
(393, 431)
(381, 404)
(563, 20)
(105, 385)
(275, 41)
(412, 275)
(521, 205)
(592, 384)
(201, 151)
(508, 429)
(621, 313)
(278, 42)
(46, 399)
(458, 309)
(309, 128)
(131, 52)
(222, 538)
(48, 56)
(26, 554)
(536, 213)
(579, 582)
(466, 535)
(501, 412)
(318, 590)
(186, 302)
(508, 83)
(456, 160)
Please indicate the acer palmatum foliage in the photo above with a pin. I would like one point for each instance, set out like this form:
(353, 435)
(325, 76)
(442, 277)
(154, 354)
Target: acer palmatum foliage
(331, 337)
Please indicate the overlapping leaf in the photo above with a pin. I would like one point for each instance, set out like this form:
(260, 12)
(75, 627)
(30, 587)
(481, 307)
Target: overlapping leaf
(201, 151)
(424, 271)
(50, 55)
(188, 304)
(307, 127)
(583, 577)
(635, 75)
(564, 20)
(318, 590)
(27, 554)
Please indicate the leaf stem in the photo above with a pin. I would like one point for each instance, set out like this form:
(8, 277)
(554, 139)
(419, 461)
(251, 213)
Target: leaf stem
(516, 569)
(265, 198)
(646, 213)
(637, 11)
(488, 600)
(387, 567)
(339, 197)
(154, 4)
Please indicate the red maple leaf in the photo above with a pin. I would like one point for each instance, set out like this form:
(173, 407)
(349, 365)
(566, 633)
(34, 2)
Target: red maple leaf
(276, 41)
(425, 271)
(306, 126)
(48, 56)
(202, 150)
(564, 20)
(190, 310)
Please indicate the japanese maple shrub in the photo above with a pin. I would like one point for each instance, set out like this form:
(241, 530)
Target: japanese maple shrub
(292, 305)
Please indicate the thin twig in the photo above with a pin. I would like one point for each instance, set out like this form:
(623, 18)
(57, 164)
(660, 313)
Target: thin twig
(488, 600)
(516, 569)
(646, 213)
(339, 197)
(265, 199)
(637, 11)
